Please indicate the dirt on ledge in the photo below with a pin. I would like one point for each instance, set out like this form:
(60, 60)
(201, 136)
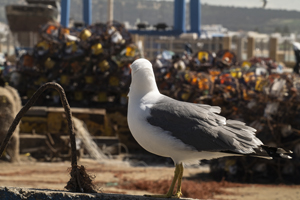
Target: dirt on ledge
(121, 178)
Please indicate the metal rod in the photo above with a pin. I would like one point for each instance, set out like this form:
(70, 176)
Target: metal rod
(33, 99)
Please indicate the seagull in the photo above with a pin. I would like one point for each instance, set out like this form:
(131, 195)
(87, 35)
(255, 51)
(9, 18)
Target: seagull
(264, 3)
(183, 131)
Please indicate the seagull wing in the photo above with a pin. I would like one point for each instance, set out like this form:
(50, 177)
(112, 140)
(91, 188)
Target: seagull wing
(200, 127)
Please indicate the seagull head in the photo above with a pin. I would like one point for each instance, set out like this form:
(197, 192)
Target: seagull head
(142, 77)
(141, 64)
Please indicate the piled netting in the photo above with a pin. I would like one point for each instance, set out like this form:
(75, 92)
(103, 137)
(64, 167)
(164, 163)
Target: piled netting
(10, 104)
(259, 92)
(91, 63)
(84, 136)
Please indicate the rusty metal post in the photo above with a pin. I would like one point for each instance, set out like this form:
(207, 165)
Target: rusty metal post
(80, 181)
(30, 103)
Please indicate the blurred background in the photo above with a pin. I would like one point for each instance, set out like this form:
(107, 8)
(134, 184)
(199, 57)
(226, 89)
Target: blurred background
(243, 56)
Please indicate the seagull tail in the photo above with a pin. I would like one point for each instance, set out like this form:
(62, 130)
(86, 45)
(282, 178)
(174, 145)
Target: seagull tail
(272, 152)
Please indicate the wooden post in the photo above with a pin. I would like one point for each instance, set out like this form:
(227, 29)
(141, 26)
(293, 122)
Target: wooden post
(151, 46)
(171, 44)
(250, 47)
(110, 13)
(209, 43)
(227, 41)
(8, 42)
(273, 49)
(16, 41)
(240, 48)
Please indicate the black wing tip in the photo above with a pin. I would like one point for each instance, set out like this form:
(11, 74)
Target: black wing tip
(275, 152)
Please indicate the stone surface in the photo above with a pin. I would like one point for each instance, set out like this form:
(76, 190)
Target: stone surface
(15, 193)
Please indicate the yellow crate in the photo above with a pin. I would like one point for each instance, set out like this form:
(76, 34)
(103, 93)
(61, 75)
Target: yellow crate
(36, 124)
(57, 123)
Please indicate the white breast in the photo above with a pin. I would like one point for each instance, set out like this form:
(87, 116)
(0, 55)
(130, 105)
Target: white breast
(151, 138)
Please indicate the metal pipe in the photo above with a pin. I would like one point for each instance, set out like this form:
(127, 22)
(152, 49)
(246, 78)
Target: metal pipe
(195, 16)
(87, 11)
(65, 12)
(179, 16)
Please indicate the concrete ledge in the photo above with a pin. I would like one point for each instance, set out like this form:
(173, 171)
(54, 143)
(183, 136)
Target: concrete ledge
(14, 193)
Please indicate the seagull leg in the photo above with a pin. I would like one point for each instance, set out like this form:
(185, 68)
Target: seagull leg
(178, 192)
(170, 192)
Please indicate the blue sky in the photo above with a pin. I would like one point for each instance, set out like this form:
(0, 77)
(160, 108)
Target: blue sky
(272, 4)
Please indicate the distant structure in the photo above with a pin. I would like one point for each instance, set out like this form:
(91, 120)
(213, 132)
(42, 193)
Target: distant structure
(179, 17)
(28, 17)
(25, 20)
(65, 12)
(214, 30)
(179, 20)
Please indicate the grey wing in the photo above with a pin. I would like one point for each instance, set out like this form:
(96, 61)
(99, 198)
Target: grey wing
(200, 127)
